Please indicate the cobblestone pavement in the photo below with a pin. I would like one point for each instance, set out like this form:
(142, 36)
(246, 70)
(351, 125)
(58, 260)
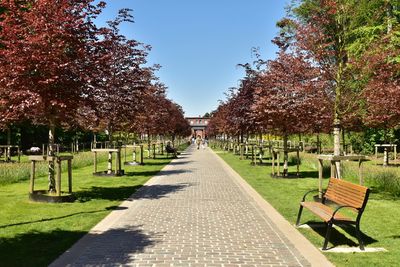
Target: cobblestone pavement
(192, 214)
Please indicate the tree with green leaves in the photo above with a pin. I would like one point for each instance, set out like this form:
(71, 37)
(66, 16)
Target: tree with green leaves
(334, 35)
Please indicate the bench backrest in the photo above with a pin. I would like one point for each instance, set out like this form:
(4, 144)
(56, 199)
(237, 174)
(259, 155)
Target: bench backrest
(346, 193)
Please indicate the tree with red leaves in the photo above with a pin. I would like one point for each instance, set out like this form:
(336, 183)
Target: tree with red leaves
(382, 92)
(291, 99)
(177, 125)
(241, 120)
(320, 33)
(119, 89)
(44, 68)
(218, 124)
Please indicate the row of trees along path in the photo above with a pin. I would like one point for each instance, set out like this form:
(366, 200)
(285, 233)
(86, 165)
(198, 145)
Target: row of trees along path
(58, 68)
(337, 68)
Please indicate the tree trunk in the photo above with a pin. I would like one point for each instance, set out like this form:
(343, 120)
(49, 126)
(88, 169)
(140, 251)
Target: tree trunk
(51, 153)
(148, 143)
(389, 14)
(336, 147)
(340, 80)
(94, 140)
(343, 142)
(285, 155)
(385, 149)
(8, 136)
(109, 161)
(77, 144)
(8, 149)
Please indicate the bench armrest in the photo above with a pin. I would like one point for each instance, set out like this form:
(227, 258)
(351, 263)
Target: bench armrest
(304, 197)
(341, 207)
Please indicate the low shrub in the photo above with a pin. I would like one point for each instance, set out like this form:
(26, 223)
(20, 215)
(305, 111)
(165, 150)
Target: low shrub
(386, 180)
(16, 172)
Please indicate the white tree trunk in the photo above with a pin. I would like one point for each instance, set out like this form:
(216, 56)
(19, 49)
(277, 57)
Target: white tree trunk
(51, 152)
(285, 156)
(336, 148)
(8, 149)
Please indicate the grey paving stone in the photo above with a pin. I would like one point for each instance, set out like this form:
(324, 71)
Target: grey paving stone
(194, 214)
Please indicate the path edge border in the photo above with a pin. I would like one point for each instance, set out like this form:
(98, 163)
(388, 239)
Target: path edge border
(312, 254)
(73, 252)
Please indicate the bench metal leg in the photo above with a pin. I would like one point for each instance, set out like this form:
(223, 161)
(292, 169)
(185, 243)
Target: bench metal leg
(299, 215)
(358, 233)
(328, 234)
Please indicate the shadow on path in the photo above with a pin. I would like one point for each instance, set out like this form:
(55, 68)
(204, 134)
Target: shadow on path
(176, 163)
(158, 191)
(153, 173)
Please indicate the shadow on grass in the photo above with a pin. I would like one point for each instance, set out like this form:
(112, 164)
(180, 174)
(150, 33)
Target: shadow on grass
(38, 248)
(269, 164)
(56, 218)
(310, 174)
(394, 165)
(339, 239)
(142, 173)
(159, 163)
(110, 193)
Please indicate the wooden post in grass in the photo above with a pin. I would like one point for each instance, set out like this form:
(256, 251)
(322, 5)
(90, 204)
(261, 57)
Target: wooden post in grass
(32, 182)
(278, 163)
(141, 154)
(58, 181)
(253, 156)
(69, 176)
(109, 163)
(320, 170)
(273, 161)
(298, 160)
(333, 169)
(95, 162)
(118, 162)
(361, 178)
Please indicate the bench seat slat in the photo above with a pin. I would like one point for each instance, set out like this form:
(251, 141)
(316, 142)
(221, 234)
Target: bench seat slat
(324, 212)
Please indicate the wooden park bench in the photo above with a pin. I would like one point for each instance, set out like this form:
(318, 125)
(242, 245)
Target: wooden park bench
(171, 150)
(339, 195)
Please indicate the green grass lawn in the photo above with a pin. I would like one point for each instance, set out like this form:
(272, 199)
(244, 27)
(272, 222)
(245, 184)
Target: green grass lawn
(380, 222)
(34, 234)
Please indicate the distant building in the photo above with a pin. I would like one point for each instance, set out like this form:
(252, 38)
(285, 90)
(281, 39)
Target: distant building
(198, 126)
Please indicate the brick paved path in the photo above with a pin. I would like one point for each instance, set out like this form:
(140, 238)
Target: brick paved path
(193, 213)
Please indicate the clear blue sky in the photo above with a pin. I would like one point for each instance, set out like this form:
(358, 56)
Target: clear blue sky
(199, 43)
